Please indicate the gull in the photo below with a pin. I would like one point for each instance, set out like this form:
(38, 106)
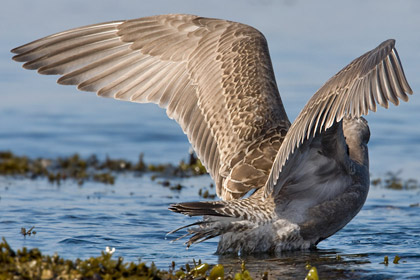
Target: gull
(282, 185)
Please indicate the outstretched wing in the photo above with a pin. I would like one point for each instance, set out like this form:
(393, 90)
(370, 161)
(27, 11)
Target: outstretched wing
(377, 77)
(214, 77)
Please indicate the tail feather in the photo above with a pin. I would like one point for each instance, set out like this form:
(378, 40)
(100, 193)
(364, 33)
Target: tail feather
(201, 237)
(207, 208)
(244, 225)
(187, 226)
(207, 229)
(218, 219)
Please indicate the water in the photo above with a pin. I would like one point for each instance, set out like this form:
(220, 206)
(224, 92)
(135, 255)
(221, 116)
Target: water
(53, 120)
(79, 222)
(132, 216)
(41, 119)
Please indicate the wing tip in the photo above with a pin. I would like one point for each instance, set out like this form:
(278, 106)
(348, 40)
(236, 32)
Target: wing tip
(18, 57)
(16, 50)
(390, 43)
(408, 90)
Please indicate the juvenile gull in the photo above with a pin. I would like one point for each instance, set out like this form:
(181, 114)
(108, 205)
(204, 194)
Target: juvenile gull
(308, 179)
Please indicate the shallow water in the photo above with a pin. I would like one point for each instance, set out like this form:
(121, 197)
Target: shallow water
(41, 119)
(48, 120)
(132, 216)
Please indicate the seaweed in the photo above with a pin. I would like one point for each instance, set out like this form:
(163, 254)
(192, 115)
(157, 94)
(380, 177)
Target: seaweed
(29, 232)
(204, 193)
(392, 180)
(81, 169)
(32, 264)
(91, 168)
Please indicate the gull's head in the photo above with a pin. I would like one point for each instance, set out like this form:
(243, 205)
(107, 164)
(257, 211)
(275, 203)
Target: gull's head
(357, 134)
(356, 130)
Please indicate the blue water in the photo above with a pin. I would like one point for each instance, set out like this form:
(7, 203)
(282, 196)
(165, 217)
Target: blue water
(79, 222)
(41, 119)
(132, 217)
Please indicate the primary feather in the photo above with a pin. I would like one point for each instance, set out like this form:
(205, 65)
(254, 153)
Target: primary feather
(215, 78)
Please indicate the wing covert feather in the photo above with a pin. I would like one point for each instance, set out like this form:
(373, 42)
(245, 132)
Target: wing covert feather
(377, 77)
(214, 77)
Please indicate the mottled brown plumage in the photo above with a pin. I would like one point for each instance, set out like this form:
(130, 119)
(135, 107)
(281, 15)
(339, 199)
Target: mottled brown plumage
(374, 78)
(215, 78)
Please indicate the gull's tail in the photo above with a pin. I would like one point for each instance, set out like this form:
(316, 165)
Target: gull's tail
(223, 218)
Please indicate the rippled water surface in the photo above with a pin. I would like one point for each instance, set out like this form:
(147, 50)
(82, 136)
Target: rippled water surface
(132, 216)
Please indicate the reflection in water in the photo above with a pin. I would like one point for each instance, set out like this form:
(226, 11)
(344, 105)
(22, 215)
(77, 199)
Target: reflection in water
(292, 265)
(132, 216)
